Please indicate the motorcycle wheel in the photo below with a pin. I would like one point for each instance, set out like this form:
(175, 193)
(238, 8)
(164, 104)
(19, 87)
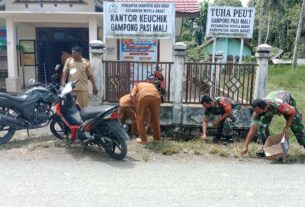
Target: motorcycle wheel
(58, 128)
(116, 148)
(6, 133)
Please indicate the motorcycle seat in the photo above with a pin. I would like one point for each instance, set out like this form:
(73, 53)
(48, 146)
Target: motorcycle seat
(92, 111)
(14, 98)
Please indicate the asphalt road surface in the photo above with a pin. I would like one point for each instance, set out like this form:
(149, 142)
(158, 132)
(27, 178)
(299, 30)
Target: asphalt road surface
(72, 182)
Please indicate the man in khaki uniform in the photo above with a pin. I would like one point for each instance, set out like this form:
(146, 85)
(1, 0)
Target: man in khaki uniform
(146, 96)
(83, 73)
(127, 109)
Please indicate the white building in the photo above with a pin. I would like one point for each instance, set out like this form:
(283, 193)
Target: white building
(45, 28)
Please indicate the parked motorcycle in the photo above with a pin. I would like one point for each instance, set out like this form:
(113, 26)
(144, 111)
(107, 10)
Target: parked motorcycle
(29, 111)
(92, 125)
(158, 74)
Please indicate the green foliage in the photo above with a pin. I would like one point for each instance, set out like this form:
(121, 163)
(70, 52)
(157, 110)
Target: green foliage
(236, 3)
(284, 17)
(193, 32)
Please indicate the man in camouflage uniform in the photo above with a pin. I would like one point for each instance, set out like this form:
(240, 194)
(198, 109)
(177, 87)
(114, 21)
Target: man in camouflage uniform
(275, 103)
(223, 111)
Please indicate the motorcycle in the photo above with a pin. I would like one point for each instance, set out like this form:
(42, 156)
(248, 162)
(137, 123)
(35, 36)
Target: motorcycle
(158, 74)
(98, 125)
(29, 111)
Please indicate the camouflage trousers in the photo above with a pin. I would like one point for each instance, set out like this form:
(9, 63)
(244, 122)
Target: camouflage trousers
(296, 127)
(225, 128)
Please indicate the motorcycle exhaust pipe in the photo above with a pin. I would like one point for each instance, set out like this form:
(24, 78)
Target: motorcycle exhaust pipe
(8, 121)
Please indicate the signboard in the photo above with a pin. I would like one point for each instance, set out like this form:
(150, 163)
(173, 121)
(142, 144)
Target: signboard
(138, 50)
(139, 20)
(144, 51)
(235, 22)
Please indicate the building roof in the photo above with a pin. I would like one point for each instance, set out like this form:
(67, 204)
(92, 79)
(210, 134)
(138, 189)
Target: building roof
(186, 7)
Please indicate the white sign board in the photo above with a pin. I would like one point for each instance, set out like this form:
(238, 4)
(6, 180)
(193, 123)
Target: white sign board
(139, 20)
(234, 22)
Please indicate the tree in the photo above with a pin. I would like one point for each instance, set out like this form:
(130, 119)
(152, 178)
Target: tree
(236, 3)
(193, 32)
(260, 26)
(297, 38)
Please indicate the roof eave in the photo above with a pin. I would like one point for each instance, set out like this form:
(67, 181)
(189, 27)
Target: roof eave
(187, 14)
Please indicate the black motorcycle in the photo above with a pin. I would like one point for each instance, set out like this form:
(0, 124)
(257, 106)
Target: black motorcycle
(29, 111)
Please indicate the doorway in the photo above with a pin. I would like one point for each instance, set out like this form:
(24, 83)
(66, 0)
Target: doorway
(50, 42)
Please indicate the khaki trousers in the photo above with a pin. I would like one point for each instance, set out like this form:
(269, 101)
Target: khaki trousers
(82, 98)
(145, 103)
(127, 111)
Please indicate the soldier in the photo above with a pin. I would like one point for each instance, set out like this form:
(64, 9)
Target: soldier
(224, 108)
(275, 103)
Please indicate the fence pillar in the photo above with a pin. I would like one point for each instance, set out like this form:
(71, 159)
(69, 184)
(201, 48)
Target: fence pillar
(218, 60)
(177, 81)
(97, 56)
(263, 53)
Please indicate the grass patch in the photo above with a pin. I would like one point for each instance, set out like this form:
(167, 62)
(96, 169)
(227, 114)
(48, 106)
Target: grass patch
(214, 149)
(166, 147)
(145, 158)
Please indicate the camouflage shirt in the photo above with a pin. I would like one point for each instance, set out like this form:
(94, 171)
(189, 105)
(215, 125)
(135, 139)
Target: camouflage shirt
(274, 107)
(222, 106)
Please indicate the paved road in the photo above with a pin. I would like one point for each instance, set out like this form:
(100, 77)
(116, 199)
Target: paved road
(152, 183)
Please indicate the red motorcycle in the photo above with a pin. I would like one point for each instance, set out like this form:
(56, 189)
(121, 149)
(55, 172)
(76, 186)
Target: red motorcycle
(98, 126)
(158, 74)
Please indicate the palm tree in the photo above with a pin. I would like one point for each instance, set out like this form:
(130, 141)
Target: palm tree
(297, 38)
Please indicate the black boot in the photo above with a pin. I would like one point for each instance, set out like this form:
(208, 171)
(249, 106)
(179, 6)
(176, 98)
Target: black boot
(227, 140)
(261, 153)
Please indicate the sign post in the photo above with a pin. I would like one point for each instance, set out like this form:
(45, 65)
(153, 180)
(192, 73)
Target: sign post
(139, 20)
(230, 22)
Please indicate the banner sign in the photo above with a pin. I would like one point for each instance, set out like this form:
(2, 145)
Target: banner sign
(235, 22)
(139, 50)
(141, 20)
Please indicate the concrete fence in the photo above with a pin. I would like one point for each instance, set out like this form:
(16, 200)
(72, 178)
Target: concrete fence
(176, 113)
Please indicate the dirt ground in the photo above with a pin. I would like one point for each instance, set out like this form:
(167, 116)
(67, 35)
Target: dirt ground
(41, 144)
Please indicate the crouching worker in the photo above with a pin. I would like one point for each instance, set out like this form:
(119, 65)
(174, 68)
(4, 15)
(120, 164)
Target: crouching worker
(223, 108)
(146, 96)
(275, 103)
(128, 110)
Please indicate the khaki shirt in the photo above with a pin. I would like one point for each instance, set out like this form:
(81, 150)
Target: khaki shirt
(125, 101)
(143, 89)
(83, 71)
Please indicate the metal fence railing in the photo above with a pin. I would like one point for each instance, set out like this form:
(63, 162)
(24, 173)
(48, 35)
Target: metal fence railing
(121, 76)
(235, 81)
